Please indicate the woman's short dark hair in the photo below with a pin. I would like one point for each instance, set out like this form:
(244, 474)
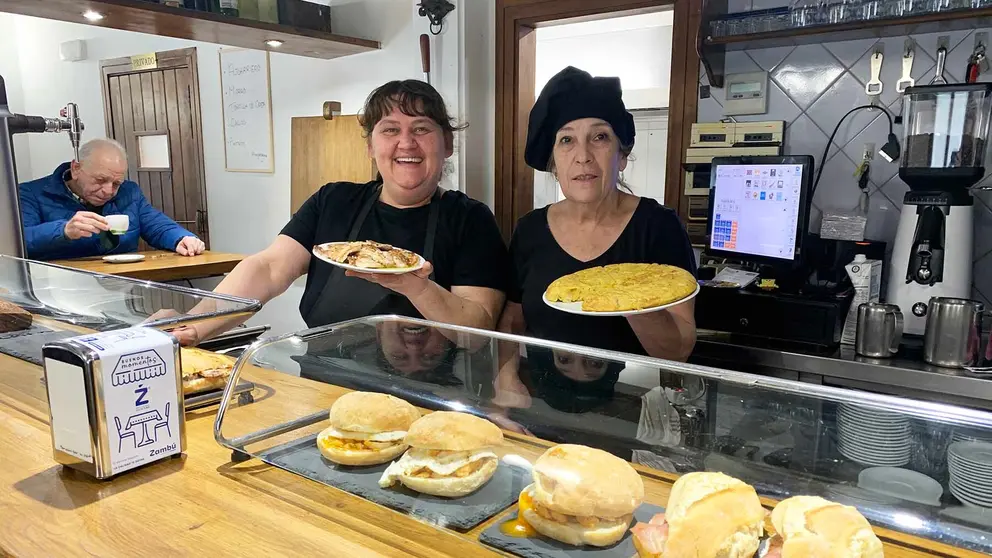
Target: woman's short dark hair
(414, 98)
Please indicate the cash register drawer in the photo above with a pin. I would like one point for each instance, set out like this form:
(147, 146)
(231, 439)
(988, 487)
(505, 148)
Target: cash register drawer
(771, 316)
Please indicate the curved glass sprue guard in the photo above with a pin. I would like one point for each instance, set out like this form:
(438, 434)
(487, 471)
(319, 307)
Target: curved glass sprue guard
(783, 437)
(103, 302)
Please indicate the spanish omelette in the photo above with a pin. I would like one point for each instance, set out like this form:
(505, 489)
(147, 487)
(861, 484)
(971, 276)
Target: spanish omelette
(623, 287)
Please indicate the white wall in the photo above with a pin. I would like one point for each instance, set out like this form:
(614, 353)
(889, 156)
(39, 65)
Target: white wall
(637, 49)
(246, 211)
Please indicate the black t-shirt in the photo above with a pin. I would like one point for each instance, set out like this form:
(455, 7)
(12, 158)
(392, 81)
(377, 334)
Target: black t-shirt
(468, 248)
(653, 235)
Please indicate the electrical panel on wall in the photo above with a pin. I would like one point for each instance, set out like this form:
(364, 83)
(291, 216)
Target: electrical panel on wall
(747, 93)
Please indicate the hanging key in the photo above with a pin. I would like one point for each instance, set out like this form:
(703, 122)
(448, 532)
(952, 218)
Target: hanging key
(975, 64)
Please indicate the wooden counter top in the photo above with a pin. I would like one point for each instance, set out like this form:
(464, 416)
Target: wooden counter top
(204, 505)
(161, 266)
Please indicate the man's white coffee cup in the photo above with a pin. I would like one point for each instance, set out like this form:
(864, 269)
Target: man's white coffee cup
(118, 223)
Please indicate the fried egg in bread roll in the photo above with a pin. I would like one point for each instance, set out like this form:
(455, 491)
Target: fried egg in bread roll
(709, 515)
(366, 428)
(813, 527)
(581, 496)
(451, 455)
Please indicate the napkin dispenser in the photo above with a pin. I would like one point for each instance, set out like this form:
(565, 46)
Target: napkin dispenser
(115, 400)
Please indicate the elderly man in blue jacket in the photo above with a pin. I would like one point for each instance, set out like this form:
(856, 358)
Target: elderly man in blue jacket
(64, 214)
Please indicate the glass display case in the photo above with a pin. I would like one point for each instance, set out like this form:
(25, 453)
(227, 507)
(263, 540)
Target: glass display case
(919, 471)
(95, 301)
(65, 302)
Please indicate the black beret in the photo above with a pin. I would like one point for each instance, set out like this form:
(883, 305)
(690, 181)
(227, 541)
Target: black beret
(570, 95)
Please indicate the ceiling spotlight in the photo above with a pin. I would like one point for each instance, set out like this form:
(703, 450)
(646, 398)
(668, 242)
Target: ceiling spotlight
(274, 43)
(92, 15)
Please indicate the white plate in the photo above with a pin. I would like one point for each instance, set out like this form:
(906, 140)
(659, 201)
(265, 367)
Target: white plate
(978, 491)
(124, 258)
(576, 307)
(879, 432)
(873, 461)
(979, 453)
(968, 498)
(869, 452)
(389, 271)
(866, 412)
(901, 483)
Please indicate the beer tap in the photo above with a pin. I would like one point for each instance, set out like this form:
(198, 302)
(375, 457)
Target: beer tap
(68, 121)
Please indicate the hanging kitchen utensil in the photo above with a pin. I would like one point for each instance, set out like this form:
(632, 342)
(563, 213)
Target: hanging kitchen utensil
(874, 86)
(907, 71)
(938, 73)
(425, 56)
(975, 64)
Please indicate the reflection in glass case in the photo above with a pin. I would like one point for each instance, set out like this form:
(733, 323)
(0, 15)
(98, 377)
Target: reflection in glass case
(910, 466)
(102, 302)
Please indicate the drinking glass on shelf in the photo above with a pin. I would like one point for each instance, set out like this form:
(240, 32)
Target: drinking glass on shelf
(840, 11)
(940, 5)
(806, 13)
(914, 7)
(870, 10)
(718, 28)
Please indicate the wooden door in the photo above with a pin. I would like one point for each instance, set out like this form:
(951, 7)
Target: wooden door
(327, 151)
(155, 114)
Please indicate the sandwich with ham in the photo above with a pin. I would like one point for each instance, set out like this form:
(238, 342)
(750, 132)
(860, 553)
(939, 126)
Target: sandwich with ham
(709, 515)
(204, 370)
(366, 428)
(812, 527)
(451, 455)
(581, 496)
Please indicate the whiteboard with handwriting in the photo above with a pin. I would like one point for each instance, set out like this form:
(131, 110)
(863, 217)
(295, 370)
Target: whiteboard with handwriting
(247, 110)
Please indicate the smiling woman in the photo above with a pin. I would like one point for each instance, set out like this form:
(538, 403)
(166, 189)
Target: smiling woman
(410, 135)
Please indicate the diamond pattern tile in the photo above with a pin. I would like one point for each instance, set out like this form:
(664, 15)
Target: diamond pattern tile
(895, 189)
(848, 52)
(737, 62)
(981, 276)
(838, 189)
(877, 133)
(708, 110)
(803, 137)
(928, 42)
(806, 73)
(836, 101)
(891, 68)
(779, 104)
(983, 224)
(769, 58)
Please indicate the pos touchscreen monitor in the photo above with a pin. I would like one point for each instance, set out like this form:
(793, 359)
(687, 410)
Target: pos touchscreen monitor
(759, 208)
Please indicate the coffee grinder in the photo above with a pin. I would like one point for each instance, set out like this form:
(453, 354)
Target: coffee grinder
(946, 132)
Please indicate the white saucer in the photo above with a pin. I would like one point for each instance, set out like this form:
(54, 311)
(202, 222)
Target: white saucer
(124, 258)
(901, 483)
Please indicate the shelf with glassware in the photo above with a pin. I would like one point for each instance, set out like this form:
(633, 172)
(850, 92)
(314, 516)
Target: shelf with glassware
(819, 21)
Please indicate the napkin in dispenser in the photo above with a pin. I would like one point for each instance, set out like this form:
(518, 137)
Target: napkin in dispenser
(115, 400)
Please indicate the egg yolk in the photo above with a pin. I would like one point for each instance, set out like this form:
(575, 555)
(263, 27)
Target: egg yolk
(518, 527)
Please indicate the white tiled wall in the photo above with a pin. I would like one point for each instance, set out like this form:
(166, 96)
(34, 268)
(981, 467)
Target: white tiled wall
(812, 86)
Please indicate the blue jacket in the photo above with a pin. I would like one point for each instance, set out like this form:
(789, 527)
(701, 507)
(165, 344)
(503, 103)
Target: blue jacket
(46, 205)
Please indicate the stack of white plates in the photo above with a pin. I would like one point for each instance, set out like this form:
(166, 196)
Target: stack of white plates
(873, 437)
(970, 465)
(971, 435)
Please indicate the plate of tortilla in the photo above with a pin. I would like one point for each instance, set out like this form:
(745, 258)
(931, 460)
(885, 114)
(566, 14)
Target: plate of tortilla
(366, 256)
(621, 289)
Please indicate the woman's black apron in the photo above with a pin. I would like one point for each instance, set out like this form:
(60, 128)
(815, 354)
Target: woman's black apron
(346, 298)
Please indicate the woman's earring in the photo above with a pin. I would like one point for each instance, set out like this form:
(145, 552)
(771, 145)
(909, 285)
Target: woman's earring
(620, 178)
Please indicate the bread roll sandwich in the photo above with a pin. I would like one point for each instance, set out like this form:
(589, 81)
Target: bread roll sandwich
(581, 496)
(812, 527)
(709, 515)
(366, 428)
(204, 370)
(451, 455)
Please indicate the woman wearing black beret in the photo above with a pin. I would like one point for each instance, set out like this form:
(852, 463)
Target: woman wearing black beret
(580, 132)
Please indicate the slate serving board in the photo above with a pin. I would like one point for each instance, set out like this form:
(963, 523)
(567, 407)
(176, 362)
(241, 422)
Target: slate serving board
(26, 344)
(303, 458)
(543, 547)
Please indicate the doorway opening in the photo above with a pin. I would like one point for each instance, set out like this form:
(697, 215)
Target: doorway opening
(635, 48)
(154, 112)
